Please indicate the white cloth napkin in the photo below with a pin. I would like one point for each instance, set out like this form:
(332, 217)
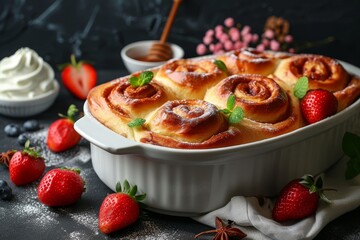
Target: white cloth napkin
(256, 222)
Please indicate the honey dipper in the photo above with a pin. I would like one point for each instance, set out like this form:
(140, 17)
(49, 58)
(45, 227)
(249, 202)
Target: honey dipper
(161, 51)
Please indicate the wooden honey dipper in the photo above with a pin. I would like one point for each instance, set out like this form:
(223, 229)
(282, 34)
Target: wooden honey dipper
(161, 51)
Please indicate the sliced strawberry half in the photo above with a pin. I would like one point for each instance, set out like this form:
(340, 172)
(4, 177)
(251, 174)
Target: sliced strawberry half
(79, 77)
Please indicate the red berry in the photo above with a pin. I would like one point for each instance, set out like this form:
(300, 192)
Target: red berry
(61, 187)
(120, 209)
(61, 134)
(298, 199)
(79, 78)
(26, 166)
(318, 104)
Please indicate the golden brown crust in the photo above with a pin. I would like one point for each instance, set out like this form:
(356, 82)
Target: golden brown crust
(182, 104)
(189, 78)
(188, 123)
(322, 72)
(117, 103)
(251, 61)
(349, 94)
(269, 105)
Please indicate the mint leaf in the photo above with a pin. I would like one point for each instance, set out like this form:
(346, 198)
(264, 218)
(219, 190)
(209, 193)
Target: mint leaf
(225, 111)
(220, 64)
(301, 87)
(351, 147)
(136, 122)
(134, 81)
(236, 116)
(230, 104)
(144, 78)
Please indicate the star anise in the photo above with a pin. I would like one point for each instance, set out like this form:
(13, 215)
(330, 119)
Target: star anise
(6, 156)
(223, 231)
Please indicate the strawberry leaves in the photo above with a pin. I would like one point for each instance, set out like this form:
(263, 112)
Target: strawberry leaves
(130, 190)
(143, 79)
(236, 114)
(351, 147)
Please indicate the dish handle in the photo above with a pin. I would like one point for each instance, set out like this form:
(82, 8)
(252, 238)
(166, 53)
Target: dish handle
(105, 138)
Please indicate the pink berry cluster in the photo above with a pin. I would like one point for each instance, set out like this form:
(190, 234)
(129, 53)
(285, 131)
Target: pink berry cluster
(229, 37)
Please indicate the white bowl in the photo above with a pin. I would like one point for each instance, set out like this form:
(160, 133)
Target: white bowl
(139, 49)
(29, 107)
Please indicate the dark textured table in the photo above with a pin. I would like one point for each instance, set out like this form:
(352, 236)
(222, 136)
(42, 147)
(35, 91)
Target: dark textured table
(24, 217)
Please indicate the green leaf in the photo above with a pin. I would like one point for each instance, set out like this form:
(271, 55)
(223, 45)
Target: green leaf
(353, 168)
(351, 147)
(133, 191)
(144, 78)
(140, 197)
(225, 111)
(126, 185)
(301, 87)
(236, 116)
(351, 144)
(71, 113)
(134, 81)
(220, 64)
(230, 104)
(136, 122)
(118, 187)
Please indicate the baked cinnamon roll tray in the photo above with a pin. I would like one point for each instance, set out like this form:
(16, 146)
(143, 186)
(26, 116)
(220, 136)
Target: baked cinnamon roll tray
(187, 159)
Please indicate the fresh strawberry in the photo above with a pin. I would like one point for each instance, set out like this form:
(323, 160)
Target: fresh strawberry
(26, 166)
(61, 134)
(120, 209)
(78, 77)
(61, 187)
(318, 104)
(299, 199)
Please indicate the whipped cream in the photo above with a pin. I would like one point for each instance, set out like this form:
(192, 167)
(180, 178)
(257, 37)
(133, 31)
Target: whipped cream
(25, 75)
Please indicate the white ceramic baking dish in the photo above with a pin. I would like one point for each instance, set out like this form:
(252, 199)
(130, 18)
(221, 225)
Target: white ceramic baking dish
(191, 182)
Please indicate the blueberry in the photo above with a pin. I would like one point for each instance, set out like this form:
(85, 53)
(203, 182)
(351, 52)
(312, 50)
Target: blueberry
(22, 138)
(3, 183)
(31, 125)
(12, 130)
(5, 191)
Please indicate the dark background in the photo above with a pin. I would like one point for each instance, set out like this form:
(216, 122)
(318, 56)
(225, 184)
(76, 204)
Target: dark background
(96, 30)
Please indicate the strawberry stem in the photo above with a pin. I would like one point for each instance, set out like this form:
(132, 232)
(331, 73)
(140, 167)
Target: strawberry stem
(73, 60)
(71, 113)
(130, 190)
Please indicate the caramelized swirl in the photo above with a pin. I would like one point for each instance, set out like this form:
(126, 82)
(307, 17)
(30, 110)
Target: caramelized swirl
(261, 98)
(268, 105)
(251, 61)
(189, 78)
(322, 72)
(117, 103)
(188, 124)
(137, 102)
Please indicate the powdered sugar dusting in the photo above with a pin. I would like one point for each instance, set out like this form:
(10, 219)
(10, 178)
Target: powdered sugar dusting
(79, 152)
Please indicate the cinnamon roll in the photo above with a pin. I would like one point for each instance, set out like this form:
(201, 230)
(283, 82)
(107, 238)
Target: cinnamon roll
(322, 72)
(117, 103)
(251, 61)
(269, 106)
(188, 123)
(349, 94)
(189, 78)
